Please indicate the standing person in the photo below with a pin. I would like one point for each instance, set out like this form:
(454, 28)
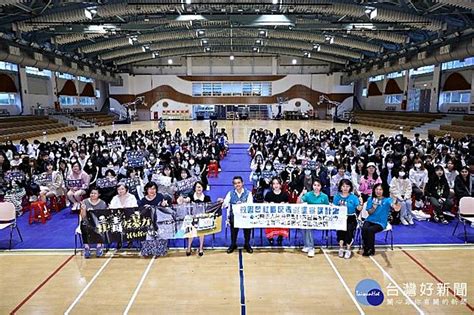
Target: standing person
(236, 196)
(90, 204)
(196, 196)
(75, 193)
(378, 208)
(437, 190)
(153, 246)
(276, 195)
(314, 197)
(346, 197)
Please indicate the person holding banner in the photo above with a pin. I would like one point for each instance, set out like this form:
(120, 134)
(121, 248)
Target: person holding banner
(123, 199)
(276, 195)
(236, 196)
(346, 197)
(75, 194)
(154, 246)
(378, 208)
(90, 204)
(54, 187)
(314, 197)
(196, 196)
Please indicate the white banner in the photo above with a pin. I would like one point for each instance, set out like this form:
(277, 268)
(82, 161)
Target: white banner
(298, 216)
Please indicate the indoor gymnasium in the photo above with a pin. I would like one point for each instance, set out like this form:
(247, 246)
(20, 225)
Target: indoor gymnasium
(236, 157)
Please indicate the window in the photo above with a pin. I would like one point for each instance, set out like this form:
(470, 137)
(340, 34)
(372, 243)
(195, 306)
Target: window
(97, 93)
(422, 70)
(7, 99)
(256, 89)
(216, 89)
(227, 89)
(393, 99)
(247, 88)
(66, 76)
(87, 101)
(237, 89)
(394, 75)
(364, 92)
(266, 89)
(376, 78)
(36, 71)
(458, 64)
(456, 97)
(197, 89)
(207, 89)
(67, 100)
(8, 66)
(85, 79)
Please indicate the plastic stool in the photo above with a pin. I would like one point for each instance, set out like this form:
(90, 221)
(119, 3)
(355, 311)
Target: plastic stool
(38, 212)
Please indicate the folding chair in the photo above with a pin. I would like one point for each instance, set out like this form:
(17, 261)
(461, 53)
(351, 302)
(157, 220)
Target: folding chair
(360, 222)
(466, 213)
(78, 235)
(8, 219)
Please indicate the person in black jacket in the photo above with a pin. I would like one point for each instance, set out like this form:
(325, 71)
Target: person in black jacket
(463, 187)
(437, 189)
(386, 175)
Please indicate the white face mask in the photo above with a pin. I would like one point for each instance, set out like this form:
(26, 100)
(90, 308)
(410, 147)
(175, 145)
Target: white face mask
(330, 168)
(268, 167)
(417, 165)
(389, 165)
(307, 172)
(401, 174)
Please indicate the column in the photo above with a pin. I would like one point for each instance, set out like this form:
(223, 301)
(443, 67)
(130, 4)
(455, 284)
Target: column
(189, 65)
(274, 65)
(25, 97)
(435, 86)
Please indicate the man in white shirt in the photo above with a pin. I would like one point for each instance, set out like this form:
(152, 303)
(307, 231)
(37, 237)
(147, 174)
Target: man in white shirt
(237, 196)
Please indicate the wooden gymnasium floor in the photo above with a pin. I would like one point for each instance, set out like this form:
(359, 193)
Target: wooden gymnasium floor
(423, 280)
(265, 282)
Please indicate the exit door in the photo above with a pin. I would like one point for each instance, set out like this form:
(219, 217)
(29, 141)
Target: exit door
(425, 100)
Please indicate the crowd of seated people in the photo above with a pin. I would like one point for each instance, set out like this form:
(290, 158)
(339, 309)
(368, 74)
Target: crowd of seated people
(403, 178)
(113, 170)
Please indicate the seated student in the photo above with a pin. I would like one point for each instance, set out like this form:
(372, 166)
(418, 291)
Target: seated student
(368, 181)
(90, 204)
(14, 193)
(400, 190)
(336, 179)
(123, 199)
(463, 185)
(276, 195)
(75, 193)
(378, 208)
(55, 187)
(107, 193)
(418, 177)
(437, 190)
(313, 197)
(196, 196)
(154, 246)
(345, 197)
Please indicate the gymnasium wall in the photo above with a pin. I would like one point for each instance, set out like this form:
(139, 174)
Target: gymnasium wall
(31, 90)
(176, 91)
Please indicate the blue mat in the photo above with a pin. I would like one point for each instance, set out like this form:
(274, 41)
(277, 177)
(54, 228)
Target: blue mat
(58, 233)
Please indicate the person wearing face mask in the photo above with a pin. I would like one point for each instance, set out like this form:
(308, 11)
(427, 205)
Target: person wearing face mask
(336, 178)
(437, 190)
(386, 174)
(400, 189)
(419, 177)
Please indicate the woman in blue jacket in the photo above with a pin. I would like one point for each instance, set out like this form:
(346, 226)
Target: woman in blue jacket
(378, 208)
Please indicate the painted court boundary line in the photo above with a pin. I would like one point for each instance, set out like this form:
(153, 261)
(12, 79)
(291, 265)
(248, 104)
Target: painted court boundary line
(436, 278)
(420, 311)
(344, 284)
(41, 284)
(137, 289)
(88, 285)
(243, 307)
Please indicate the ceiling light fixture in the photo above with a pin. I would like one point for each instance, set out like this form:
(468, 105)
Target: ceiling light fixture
(294, 61)
(231, 57)
(170, 61)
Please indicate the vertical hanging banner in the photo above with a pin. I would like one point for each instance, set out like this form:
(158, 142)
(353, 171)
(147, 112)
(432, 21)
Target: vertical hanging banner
(299, 216)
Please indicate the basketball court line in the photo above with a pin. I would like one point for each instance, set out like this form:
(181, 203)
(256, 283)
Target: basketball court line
(55, 272)
(89, 284)
(137, 289)
(243, 307)
(416, 261)
(420, 311)
(344, 284)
